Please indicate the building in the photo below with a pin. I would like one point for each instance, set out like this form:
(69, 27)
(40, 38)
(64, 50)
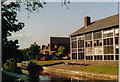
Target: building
(98, 40)
(56, 42)
(44, 49)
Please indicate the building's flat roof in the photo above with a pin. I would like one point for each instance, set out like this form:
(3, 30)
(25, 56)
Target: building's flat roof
(98, 25)
(60, 40)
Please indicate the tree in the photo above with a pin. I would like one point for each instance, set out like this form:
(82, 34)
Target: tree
(9, 24)
(61, 51)
(29, 53)
(33, 50)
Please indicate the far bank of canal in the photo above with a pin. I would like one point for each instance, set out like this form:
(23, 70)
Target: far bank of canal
(79, 74)
(68, 71)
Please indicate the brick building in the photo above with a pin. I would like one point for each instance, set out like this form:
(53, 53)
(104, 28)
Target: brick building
(55, 42)
(44, 49)
(98, 40)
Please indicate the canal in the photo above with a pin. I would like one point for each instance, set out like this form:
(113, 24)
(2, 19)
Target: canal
(38, 77)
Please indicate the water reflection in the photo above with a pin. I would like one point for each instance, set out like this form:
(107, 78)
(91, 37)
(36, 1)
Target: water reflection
(38, 76)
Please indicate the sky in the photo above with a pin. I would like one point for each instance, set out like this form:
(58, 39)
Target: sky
(55, 20)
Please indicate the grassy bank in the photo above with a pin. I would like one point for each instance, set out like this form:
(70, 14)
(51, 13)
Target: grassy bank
(47, 63)
(100, 69)
(95, 69)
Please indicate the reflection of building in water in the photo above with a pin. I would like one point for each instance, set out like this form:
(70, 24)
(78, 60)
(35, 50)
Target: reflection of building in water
(46, 77)
(96, 40)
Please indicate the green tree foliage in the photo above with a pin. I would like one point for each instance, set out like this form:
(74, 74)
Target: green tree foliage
(61, 51)
(34, 50)
(10, 65)
(9, 24)
(29, 53)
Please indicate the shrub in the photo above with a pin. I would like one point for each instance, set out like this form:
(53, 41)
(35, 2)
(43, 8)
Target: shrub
(10, 65)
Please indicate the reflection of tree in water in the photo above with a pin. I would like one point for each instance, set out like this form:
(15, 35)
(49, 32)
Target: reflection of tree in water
(34, 71)
(34, 75)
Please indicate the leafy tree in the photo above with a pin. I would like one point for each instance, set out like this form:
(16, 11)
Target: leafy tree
(9, 24)
(61, 51)
(29, 53)
(34, 50)
(10, 65)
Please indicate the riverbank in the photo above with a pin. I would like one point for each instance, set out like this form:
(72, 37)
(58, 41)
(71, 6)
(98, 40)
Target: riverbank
(102, 70)
(70, 72)
(104, 67)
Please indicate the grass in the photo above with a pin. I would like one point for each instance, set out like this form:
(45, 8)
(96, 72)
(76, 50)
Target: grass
(45, 63)
(100, 69)
(95, 69)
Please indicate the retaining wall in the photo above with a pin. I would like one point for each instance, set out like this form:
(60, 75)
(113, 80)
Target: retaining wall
(88, 75)
(95, 62)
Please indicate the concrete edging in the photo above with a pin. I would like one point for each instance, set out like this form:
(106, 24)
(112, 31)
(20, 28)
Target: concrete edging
(95, 76)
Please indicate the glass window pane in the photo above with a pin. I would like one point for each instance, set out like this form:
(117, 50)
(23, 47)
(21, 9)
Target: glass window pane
(104, 42)
(88, 36)
(108, 33)
(97, 35)
(111, 41)
(74, 44)
(116, 40)
(117, 32)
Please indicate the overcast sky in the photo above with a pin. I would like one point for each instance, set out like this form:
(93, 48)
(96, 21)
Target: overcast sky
(56, 20)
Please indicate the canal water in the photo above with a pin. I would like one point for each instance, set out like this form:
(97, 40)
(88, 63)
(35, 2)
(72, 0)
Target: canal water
(36, 77)
(41, 76)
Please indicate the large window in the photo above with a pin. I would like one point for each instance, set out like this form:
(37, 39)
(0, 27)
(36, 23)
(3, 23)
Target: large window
(88, 40)
(98, 50)
(116, 43)
(98, 57)
(97, 45)
(97, 35)
(88, 36)
(108, 50)
(88, 43)
(74, 44)
(116, 31)
(108, 42)
(88, 51)
(108, 57)
(116, 40)
(81, 56)
(117, 49)
(81, 47)
(81, 42)
(98, 42)
(108, 33)
(89, 57)
(73, 38)
(116, 36)
(74, 47)
(74, 56)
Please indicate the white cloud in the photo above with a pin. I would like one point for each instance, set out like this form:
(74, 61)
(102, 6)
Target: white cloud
(27, 36)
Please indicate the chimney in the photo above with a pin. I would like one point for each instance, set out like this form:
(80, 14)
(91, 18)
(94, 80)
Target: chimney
(87, 21)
